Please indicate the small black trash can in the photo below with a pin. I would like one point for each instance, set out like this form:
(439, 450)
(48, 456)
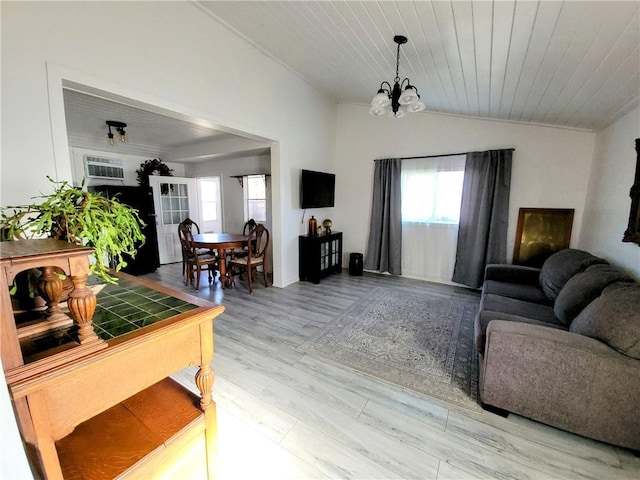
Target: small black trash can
(355, 264)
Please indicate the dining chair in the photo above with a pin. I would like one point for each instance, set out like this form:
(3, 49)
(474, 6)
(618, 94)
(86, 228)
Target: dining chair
(196, 258)
(248, 226)
(258, 245)
(189, 225)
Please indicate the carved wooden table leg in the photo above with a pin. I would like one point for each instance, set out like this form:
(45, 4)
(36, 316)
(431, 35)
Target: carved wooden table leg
(204, 381)
(50, 287)
(82, 304)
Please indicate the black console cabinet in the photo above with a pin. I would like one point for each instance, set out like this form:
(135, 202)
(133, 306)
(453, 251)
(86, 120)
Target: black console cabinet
(320, 255)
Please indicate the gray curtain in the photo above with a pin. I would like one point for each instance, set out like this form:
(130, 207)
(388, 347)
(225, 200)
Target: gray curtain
(484, 215)
(384, 248)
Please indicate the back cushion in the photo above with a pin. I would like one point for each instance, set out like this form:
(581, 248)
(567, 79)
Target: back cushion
(583, 288)
(563, 265)
(613, 318)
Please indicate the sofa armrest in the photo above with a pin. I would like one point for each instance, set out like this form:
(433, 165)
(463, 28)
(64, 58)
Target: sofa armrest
(563, 379)
(512, 274)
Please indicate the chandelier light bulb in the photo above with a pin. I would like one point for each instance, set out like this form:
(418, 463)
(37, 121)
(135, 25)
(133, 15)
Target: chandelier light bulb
(378, 111)
(417, 106)
(409, 95)
(381, 100)
(399, 114)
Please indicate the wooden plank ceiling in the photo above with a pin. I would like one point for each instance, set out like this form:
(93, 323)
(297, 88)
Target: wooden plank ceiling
(572, 63)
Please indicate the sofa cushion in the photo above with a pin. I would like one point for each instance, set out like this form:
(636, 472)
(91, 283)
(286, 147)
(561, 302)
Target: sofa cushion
(528, 293)
(583, 288)
(613, 318)
(485, 316)
(512, 306)
(563, 265)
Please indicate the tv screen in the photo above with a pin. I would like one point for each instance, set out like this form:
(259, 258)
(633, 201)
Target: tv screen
(317, 189)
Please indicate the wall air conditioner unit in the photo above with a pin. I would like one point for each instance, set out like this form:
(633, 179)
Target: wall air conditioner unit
(104, 168)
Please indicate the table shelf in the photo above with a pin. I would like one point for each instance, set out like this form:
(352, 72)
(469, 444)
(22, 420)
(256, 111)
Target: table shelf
(128, 436)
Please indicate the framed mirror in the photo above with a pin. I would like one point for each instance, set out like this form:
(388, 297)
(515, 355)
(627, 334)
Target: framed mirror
(540, 233)
(632, 234)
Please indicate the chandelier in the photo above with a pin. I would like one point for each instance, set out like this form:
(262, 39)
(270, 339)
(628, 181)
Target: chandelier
(400, 99)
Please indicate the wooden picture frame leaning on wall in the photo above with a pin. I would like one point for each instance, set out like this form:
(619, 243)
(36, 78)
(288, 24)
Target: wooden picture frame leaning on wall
(540, 233)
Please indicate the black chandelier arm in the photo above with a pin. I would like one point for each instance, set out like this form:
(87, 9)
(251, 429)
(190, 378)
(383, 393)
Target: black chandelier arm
(385, 90)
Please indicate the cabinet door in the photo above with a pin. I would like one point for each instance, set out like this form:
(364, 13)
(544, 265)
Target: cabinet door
(336, 253)
(325, 255)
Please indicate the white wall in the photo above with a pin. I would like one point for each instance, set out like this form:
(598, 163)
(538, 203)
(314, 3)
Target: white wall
(165, 53)
(550, 165)
(608, 203)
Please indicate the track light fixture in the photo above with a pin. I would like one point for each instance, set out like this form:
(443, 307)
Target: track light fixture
(119, 126)
(400, 99)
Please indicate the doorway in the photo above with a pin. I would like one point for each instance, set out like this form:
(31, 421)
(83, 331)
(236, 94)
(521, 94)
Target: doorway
(59, 78)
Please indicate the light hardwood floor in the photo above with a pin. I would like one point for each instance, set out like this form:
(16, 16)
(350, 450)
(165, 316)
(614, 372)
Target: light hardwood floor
(284, 414)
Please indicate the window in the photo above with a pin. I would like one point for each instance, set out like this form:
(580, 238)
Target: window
(255, 193)
(432, 189)
(175, 203)
(431, 198)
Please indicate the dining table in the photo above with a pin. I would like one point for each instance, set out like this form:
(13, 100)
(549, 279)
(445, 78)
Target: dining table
(221, 242)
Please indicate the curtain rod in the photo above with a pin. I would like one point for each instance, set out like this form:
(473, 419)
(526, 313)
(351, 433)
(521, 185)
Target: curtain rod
(445, 155)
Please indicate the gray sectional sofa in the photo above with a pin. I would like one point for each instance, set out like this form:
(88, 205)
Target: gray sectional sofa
(561, 345)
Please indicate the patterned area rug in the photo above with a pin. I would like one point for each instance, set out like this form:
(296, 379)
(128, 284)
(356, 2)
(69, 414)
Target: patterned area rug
(416, 339)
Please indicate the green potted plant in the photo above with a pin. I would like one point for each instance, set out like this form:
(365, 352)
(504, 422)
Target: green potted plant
(77, 216)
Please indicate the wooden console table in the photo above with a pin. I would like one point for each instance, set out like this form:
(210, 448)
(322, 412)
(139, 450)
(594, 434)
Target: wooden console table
(114, 412)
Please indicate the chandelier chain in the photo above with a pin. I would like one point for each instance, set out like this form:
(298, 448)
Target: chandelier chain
(397, 79)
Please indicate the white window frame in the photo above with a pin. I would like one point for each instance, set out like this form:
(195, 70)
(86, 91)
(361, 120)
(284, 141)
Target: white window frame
(246, 196)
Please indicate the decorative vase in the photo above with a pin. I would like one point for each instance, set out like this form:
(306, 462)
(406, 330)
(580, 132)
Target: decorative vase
(313, 226)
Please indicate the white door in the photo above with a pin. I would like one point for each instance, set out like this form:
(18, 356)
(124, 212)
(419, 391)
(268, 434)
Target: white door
(174, 199)
(210, 204)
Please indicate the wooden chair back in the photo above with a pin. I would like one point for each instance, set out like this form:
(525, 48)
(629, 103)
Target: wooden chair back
(187, 225)
(185, 233)
(248, 226)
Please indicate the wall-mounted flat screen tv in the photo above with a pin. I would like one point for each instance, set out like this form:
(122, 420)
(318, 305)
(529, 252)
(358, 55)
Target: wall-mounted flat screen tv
(317, 189)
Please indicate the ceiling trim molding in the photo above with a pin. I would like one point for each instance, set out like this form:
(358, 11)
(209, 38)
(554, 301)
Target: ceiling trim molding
(473, 117)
